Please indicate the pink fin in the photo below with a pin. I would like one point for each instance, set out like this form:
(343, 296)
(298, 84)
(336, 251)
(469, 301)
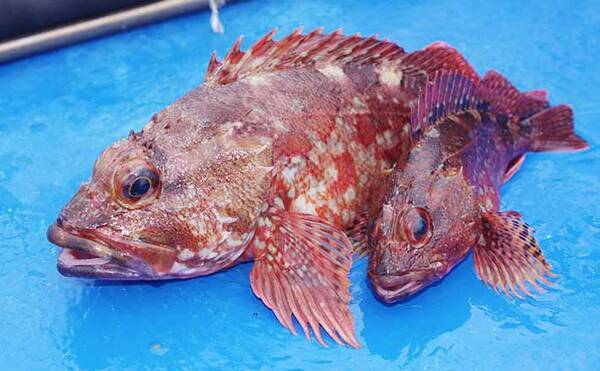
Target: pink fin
(301, 269)
(540, 95)
(449, 93)
(513, 167)
(552, 130)
(297, 50)
(436, 57)
(507, 255)
(213, 64)
(358, 235)
(503, 97)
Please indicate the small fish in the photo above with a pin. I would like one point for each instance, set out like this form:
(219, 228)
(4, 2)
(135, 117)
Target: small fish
(442, 202)
(270, 160)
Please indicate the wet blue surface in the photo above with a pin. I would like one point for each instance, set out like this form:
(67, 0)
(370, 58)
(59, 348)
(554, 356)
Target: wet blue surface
(59, 110)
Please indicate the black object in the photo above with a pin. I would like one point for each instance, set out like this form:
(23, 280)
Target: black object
(23, 17)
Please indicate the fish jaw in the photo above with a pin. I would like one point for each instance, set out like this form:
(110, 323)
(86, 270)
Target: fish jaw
(90, 255)
(393, 288)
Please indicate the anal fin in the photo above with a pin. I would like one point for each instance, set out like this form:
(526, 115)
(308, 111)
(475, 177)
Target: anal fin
(301, 269)
(513, 167)
(507, 256)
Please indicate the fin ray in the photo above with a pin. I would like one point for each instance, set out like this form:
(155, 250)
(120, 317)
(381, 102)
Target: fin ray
(552, 130)
(301, 270)
(449, 93)
(507, 255)
(513, 167)
(297, 50)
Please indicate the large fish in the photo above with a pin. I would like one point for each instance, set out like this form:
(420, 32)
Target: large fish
(270, 160)
(444, 200)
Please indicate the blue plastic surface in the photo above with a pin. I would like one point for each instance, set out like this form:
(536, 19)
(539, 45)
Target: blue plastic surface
(59, 110)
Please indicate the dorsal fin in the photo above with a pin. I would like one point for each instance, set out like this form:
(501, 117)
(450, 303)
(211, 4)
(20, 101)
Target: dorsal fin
(213, 64)
(503, 97)
(297, 50)
(449, 92)
(452, 92)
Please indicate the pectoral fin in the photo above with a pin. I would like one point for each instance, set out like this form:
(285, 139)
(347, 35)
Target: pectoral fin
(507, 256)
(301, 269)
(358, 235)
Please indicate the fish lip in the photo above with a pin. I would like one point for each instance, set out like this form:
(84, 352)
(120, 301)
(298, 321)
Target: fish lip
(393, 288)
(104, 262)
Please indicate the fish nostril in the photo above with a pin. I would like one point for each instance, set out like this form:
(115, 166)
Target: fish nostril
(381, 269)
(59, 221)
(385, 265)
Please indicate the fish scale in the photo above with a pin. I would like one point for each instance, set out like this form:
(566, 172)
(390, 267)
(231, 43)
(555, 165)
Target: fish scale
(470, 138)
(280, 151)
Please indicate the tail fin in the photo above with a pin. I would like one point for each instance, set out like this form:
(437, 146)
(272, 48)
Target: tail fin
(552, 130)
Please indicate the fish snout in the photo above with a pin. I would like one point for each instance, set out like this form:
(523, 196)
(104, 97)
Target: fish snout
(87, 209)
(393, 258)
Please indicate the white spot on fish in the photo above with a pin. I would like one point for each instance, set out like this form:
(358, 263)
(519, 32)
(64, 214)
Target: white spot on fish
(291, 192)
(259, 244)
(337, 148)
(185, 254)
(289, 173)
(331, 172)
(332, 71)
(257, 80)
(278, 124)
(301, 204)
(272, 249)
(359, 103)
(433, 133)
(349, 195)
(347, 216)
(390, 76)
(180, 268)
(279, 203)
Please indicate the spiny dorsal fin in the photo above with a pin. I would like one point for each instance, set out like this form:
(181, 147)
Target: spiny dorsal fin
(297, 50)
(452, 92)
(213, 64)
(449, 92)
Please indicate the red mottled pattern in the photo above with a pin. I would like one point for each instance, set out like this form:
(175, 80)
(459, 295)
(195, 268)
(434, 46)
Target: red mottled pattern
(278, 152)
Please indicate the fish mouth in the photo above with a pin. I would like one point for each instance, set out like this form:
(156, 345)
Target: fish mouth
(83, 255)
(393, 288)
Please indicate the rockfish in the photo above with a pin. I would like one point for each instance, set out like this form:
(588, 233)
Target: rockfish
(271, 160)
(469, 138)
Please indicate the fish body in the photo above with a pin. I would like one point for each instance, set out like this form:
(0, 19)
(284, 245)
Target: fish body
(271, 159)
(444, 200)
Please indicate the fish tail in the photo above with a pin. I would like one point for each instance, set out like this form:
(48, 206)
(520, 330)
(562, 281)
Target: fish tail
(552, 130)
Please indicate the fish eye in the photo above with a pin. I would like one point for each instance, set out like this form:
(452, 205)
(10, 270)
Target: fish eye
(137, 183)
(417, 226)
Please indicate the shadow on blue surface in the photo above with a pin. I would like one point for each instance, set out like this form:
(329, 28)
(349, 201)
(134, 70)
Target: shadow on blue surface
(59, 110)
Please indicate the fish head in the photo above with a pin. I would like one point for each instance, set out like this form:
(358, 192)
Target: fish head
(164, 207)
(422, 231)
